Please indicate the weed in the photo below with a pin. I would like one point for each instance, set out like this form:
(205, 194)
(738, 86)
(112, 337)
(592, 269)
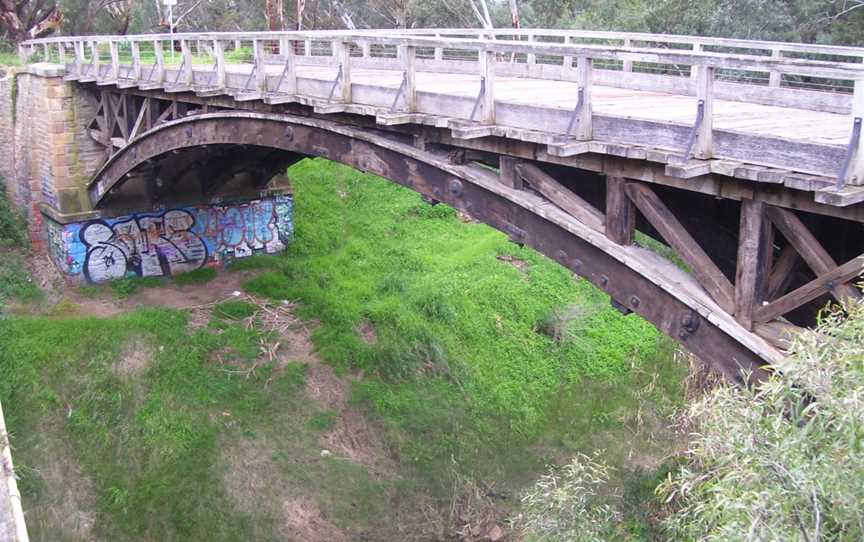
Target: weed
(234, 310)
(324, 420)
(258, 261)
(197, 276)
(127, 286)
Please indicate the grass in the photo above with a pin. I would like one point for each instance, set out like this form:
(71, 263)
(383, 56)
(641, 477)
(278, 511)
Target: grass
(16, 284)
(8, 58)
(488, 362)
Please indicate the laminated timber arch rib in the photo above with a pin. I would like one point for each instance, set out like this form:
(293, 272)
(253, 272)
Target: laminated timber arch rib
(573, 232)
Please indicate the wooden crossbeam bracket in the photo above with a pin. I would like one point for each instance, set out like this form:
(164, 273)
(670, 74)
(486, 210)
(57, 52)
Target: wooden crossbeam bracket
(703, 268)
(810, 249)
(561, 196)
(811, 290)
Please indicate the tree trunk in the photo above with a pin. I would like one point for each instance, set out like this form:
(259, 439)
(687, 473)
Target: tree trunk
(514, 14)
(301, 4)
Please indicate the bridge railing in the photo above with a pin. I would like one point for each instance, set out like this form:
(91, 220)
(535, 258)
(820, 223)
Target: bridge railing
(781, 74)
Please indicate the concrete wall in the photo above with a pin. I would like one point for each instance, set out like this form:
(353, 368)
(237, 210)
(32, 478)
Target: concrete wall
(167, 242)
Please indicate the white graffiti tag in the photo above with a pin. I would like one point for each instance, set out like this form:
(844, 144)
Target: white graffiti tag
(143, 245)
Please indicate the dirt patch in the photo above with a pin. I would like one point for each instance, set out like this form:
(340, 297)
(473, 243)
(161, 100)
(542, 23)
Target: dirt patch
(353, 439)
(324, 387)
(65, 507)
(134, 359)
(187, 296)
(519, 264)
(304, 522)
(255, 484)
(367, 332)
(296, 344)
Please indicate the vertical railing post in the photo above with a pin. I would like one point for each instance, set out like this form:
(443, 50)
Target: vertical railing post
(694, 70)
(855, 171)
(307, 47)
(78, 47)
(136, 60)
(23, 54)
(115, 60)
(219, 53)
(774, 77)
(290, 69)
(159, 54)
(628, 64)
(439, 51)
(94, 52)
(342, 51)
(584, 130)
(704, 148)
(531, 58)
(260, 69)
(61, 53)
(567, 62)
(366, 49)
(408, 53)
(46, 52)
(487, 74)
(186, 76)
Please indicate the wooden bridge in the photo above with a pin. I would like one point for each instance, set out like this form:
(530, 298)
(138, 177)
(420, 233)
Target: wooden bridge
(744, 157)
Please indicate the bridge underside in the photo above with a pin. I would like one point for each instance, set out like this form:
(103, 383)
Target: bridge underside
(743, 287)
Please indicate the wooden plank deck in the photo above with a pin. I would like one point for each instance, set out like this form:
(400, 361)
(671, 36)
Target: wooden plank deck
(766, 120)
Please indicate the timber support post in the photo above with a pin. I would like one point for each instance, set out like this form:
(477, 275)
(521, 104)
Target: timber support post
(755, 255)
(620, 212)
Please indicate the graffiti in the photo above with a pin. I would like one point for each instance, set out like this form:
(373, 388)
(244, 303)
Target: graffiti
(147, 246)
(238, 231)
(169, 242)
(48, 194)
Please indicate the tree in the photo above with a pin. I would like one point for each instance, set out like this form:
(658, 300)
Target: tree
(25, 19)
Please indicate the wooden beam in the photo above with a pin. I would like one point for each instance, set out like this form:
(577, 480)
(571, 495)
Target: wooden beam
(562, 197)
(704, 148)
(142, 114)
(409, 61)
(755, 255)
(290, 68)
(342, 50)
(811, 290)
(507, 172)
(701, 265)
(487, 72)
(784, 270)
(219, 54)
(584, 130)
(810, 249)
(620, 212)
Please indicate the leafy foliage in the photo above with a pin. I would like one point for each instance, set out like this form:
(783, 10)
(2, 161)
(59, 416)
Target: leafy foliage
(784, 461)
(572, 504)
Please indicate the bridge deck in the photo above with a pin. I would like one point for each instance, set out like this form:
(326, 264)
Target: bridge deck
(781, 122)
(777, 113)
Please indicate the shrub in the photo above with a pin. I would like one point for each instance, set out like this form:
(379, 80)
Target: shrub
(13, 231)
(572, 504)
(784, 460)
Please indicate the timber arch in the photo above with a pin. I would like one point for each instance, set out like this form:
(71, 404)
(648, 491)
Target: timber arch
(636, 279)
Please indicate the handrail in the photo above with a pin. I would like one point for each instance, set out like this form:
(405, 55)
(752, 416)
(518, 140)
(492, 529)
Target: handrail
(780, 64)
